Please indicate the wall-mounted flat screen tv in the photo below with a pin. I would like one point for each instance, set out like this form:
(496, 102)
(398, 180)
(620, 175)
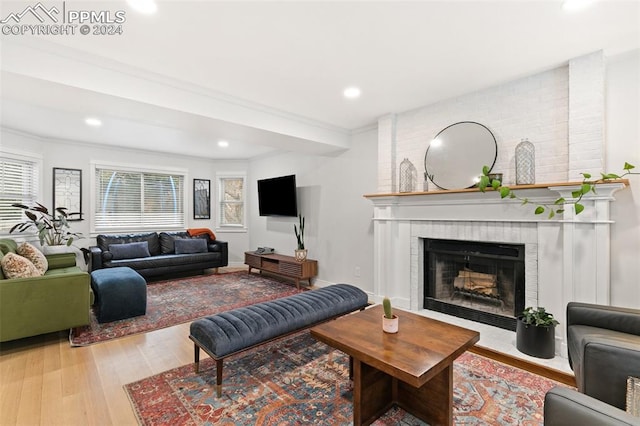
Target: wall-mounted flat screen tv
(277, 196)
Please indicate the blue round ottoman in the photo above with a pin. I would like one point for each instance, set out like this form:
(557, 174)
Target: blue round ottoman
(120, 293)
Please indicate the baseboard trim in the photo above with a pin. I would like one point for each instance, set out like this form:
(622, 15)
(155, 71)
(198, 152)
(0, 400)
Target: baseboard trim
(550, 373)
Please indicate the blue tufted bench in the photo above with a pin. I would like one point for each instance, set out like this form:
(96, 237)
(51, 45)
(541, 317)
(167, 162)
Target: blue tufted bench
(237, 330)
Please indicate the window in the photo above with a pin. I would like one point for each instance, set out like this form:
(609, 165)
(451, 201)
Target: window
(231, 195)
(19, 183)
(127, 199)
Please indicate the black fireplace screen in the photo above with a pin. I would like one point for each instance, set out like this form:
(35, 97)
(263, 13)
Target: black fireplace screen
(478, 281)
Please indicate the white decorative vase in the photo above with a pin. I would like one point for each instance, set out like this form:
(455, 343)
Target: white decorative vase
(390, 325)
(301, 255)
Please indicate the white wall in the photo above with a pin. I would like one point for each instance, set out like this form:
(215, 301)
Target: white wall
(623, 145)
(75, 155)
(338, 228)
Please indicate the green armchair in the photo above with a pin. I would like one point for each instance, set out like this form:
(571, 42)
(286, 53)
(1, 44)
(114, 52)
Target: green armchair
(57, 301)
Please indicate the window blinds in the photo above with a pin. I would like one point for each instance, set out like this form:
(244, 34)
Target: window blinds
(18, 184)
(135, 200)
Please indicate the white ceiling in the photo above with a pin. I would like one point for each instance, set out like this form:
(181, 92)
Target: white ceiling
(292, 60)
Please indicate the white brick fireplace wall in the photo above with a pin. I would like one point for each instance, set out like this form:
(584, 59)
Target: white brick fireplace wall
(561, 111)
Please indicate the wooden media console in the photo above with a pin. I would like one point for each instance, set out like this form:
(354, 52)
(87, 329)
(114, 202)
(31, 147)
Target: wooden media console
(286, 266)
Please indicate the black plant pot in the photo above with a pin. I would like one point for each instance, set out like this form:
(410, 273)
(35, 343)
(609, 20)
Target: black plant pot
(536, 341)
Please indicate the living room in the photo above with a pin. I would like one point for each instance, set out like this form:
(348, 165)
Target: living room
(48, 81)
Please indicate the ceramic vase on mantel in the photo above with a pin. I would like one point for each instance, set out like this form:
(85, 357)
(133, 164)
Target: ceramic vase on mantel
(525, 163)
(301, 255)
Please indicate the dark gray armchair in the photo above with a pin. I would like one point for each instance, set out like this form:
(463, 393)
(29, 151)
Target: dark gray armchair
(604, 349)
(567, 407)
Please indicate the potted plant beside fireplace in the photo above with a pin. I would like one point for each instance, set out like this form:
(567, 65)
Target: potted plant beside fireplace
(535, 333)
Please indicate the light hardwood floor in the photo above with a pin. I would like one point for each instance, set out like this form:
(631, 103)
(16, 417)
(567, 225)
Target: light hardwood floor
(44, 381)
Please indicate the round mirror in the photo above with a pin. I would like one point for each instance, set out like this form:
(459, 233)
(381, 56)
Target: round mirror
(456, 156)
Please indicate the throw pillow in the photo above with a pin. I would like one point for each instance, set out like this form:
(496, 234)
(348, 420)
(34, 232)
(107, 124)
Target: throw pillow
(34, 255)
(16, 266)
(190, 245)
(129, 250)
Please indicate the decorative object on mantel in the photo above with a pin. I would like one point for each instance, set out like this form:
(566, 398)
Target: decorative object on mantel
(495, 176)
(389, 319)
(52, 228)
(558, 205)
(301, 252)
(535, 333)
(457, 152)
(408, 176)
(525, 163)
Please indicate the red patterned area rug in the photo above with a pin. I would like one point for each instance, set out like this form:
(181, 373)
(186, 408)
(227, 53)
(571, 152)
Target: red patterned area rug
(178, 301)
(298, 380)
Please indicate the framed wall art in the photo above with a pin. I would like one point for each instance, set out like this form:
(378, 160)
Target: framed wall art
(201, 199)
(67, 191)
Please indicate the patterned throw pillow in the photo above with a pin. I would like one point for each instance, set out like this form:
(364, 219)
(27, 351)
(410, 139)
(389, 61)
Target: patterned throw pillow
(34, 255)
(16, 266)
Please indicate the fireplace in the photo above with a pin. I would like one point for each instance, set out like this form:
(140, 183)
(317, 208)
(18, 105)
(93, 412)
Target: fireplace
(479, 281)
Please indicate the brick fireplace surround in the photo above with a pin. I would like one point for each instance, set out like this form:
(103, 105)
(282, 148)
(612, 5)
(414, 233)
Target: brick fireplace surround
(562, 112)
(565, 259)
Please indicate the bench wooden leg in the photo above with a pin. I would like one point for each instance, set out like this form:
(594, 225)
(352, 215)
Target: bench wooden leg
(219, 377)
(196, 357)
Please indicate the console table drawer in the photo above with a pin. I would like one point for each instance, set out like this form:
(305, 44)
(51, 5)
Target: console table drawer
(292, 269)
(252, 260)
(269, 265)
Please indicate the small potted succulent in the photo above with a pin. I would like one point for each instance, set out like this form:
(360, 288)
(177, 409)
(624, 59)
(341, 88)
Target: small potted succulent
(389, 319)
(535, 333)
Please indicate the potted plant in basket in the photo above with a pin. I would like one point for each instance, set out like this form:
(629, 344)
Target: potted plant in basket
(535, 333)
(52, 227)
(389, 319)
(301, 252)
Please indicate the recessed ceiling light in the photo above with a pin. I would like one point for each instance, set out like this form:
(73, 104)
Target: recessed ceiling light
(573, 5)
(92, 121)
(351, 92)
(143, 6)
(223, 144)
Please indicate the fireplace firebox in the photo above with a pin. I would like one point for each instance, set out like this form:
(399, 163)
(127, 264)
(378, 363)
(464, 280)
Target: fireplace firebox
(478, 281)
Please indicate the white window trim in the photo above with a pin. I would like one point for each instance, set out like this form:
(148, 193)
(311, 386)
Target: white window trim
(38, 160)
(231, 228)
(143, 168)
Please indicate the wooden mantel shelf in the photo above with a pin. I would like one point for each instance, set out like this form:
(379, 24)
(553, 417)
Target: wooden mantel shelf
(625, 182)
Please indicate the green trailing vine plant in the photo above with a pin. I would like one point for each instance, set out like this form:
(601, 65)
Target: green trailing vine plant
(558, 206)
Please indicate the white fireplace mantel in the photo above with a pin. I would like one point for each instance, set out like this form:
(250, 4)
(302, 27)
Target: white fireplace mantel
(566, 258)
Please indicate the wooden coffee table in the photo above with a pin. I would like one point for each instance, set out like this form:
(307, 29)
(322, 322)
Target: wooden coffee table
(412, 368)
